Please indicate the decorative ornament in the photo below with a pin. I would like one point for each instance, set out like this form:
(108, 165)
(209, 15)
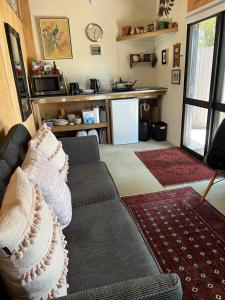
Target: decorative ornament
(93, 2)
(165, 6)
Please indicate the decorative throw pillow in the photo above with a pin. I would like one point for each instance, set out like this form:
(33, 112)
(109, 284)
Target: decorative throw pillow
(55, 191)
(47, 143)
(33, 258)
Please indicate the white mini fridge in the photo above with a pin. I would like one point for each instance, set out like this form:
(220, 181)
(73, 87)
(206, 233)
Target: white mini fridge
(125, 121)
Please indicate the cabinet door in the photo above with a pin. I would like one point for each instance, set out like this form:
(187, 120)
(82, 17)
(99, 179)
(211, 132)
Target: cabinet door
(194, 4)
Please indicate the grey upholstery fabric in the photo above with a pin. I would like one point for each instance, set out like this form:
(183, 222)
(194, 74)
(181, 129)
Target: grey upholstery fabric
(81, 149)
(91, 183)
(105, 247)
(5, 174)
(159, 287)
(14, 147)
(3, 293)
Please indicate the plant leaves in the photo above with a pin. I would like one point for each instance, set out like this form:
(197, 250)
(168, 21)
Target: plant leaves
(165, 6)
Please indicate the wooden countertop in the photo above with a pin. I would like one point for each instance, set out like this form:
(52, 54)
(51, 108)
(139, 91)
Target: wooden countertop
(105, 95)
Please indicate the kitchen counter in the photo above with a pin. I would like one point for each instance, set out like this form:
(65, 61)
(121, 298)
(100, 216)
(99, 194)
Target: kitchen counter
(47, 107)
(147, 92)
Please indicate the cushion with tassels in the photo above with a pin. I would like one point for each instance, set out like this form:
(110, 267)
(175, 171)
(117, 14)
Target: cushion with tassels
(48, 144)
(55, 191)
(33, 258)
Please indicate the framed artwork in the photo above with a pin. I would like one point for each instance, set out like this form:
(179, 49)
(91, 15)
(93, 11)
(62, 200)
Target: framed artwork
(176, 55)
(165, 57)
(15, 5)
(176, 74)
(55, 38)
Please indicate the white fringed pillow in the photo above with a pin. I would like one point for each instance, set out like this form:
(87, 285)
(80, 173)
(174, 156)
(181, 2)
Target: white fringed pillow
(47, 143)
(33, 258)
(55, 191)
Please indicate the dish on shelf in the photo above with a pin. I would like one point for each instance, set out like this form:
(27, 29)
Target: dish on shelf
(60, 122)
(88, 92)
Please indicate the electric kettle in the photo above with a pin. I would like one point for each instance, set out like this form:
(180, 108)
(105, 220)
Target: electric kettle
(95, 85)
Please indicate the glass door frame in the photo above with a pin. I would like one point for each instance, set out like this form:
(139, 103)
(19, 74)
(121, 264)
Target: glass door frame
(211, 104)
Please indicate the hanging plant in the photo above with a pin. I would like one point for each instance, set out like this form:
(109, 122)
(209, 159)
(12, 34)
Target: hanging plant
(165, 6)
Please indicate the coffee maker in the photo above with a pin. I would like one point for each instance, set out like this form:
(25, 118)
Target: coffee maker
(74, 88)
(95, 85)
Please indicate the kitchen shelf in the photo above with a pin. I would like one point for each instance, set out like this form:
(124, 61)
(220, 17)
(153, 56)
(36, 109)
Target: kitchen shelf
(141, 36)
(78, 127)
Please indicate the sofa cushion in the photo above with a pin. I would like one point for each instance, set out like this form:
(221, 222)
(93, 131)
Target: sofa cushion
(5, 174)
(56, 193)
(33, 262)
(105, 247)
(46, 142)
(14, 146)
(91, 183)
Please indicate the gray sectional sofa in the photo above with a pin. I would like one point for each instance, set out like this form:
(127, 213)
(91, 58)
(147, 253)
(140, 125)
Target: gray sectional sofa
(108, 256)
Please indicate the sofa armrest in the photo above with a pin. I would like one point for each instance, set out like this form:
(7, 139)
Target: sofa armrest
(159, 287)
(81, 149)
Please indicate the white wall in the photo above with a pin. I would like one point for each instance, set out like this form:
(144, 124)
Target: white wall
(114, 62)
(173, 101)
(111, 15)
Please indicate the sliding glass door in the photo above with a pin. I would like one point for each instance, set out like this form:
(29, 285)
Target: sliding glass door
(204, 91)
(201, 44)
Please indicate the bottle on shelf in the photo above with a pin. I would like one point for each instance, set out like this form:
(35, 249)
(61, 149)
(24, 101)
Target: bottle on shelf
(55, 70)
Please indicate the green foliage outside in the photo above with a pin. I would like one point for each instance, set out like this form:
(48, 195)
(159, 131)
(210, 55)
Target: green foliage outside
(207, 33)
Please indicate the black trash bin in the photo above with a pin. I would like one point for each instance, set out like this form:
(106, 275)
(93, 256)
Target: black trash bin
(159, 131)
(144, 131)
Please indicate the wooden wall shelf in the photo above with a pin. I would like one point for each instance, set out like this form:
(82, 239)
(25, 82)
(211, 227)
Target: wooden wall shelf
(67, 128)
(145, 35)
(150, 58)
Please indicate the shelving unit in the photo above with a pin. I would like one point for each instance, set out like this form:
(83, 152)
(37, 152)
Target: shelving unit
(141, 36)
(66, 128)
(149, 58)
(45, 108)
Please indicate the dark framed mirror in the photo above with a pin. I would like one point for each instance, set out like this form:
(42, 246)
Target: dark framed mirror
(19, 72)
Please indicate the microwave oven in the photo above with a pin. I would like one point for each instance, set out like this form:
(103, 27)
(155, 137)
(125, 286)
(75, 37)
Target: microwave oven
(47, 85)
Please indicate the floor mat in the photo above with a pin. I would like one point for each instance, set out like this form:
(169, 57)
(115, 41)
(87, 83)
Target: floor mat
(187, 238)
(174, 166)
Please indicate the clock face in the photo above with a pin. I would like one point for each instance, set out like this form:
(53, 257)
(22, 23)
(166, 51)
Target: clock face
(94, 32)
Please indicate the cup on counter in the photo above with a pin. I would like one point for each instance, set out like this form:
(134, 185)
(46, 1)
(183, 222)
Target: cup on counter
(77, 121)
(71, 118)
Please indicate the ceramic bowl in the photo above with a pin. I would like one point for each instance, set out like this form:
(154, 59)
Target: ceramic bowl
(60, 122)
(77, 121)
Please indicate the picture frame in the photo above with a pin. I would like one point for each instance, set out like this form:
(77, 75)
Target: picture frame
(55, 38)
(176, 76)
(15, 5)
(165, 57)
(176, 55)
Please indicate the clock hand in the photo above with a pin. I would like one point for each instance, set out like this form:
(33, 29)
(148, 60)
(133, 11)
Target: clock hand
(94, 34)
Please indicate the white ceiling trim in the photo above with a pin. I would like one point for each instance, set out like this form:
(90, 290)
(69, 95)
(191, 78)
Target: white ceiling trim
(206, 11)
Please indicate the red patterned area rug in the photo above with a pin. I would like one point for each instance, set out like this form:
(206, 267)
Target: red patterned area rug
(187, 238)
(174, 166)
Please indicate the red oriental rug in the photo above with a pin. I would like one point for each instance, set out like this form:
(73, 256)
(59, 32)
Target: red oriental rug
(187, 238)
(174, 166)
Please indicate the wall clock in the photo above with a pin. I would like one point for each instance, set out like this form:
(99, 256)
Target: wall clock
(94, 32)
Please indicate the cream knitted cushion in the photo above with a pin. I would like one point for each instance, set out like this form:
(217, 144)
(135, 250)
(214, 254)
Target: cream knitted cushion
(33, 261)
(55, 191)
(48, 144)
